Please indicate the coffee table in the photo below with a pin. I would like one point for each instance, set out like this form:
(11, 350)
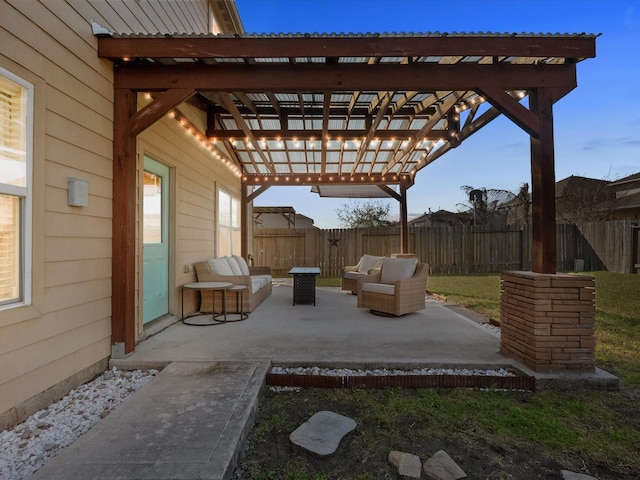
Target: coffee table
(304, 284)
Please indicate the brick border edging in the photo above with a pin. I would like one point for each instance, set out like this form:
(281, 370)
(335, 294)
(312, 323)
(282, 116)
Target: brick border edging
(520, 382)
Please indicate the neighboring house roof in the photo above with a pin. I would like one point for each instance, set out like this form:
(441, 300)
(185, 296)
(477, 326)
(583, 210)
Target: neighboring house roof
(627, 202)
(630, 179)
(272, 217)
(575, 183)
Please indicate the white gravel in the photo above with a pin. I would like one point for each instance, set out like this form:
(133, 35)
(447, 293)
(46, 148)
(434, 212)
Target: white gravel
(28, 446)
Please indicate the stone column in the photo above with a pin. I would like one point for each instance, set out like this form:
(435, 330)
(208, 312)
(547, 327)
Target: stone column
(547, 320)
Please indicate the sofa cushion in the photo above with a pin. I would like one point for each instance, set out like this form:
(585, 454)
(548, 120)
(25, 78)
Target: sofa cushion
(394, 269)
(256, 284)
(354, 275)
(220, 266)
(233, 264)
(262, 279)
(378, 288)
(244, 268)
(369, 261)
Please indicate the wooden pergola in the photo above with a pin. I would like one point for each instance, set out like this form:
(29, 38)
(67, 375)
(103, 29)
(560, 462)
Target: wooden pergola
(349, 110)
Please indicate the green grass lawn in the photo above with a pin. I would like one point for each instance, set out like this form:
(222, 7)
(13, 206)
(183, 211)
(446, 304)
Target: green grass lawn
(492, 434)
(617, 322)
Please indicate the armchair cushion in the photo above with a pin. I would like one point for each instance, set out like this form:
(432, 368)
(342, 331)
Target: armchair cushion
(394, 269)
(368, 262)
(379, 288)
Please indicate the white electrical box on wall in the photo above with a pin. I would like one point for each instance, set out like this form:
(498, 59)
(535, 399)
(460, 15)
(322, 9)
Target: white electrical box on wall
(78, 192)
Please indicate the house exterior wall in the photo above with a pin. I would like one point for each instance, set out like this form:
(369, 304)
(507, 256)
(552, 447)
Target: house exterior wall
(63, 336)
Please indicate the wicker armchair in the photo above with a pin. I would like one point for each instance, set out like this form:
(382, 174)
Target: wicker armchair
(381, 295)
(351, 273)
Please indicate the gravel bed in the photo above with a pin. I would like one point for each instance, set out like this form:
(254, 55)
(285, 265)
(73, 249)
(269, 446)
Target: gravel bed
(29, 445)
(347, 372)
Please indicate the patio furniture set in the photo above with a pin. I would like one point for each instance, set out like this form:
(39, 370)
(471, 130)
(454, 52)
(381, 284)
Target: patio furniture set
(384, 285)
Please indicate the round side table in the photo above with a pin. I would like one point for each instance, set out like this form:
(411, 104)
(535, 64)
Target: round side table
(239, 290)
(198, 320)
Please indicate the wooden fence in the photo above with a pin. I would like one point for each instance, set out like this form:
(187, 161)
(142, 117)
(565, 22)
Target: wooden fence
(590, 246)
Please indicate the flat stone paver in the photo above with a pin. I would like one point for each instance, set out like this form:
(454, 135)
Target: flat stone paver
(188, 423)
(321, 434)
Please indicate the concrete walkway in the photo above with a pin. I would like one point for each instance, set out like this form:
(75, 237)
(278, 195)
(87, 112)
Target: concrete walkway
(189, 423)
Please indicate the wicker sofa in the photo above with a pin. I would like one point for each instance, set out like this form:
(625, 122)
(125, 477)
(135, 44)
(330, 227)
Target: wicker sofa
(233, 269)
(397, 288)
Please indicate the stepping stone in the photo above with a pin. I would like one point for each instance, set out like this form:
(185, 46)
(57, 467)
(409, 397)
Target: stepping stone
(321, 434)
(567, 475)
(408, 464)
(441, 467)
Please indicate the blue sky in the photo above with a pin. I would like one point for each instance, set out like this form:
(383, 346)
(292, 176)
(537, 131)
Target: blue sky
(596, 126)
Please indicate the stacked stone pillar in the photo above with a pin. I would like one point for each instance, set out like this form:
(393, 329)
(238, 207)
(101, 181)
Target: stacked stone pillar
(547, 320)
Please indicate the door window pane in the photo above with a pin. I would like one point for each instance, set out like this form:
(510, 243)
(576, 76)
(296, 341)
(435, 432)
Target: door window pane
(152, 208)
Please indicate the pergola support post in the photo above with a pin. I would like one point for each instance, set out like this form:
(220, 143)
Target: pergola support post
(244, 225)
(543, 185)
(404, 229)
(123, 301)
(547, 319)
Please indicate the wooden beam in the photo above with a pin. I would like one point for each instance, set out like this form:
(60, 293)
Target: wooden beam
(244, 218)
(343, 77)
(224, 100)
(364, 146)
(318, 134)
(446, 104)
(257, 192)
(404, 224)
(325, 130)
(392, 193)
(513, 110)
(124, 201)
(468, 130)
(159, 107)
(567, 46)
(543, 218)
(326, 179)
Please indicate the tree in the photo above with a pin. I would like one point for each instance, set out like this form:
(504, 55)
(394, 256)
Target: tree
(366, 214)
(487, 204)
(583, 199)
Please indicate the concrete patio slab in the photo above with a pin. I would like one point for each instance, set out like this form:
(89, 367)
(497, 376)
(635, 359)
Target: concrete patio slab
(333, 333)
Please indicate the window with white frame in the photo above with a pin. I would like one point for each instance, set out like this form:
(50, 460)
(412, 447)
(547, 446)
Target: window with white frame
(15, 188)
(228, 224)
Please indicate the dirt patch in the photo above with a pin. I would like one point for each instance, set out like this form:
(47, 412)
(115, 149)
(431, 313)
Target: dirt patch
(420, 422)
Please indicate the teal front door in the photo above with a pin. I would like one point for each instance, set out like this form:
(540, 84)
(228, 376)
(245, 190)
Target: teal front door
(155, 233)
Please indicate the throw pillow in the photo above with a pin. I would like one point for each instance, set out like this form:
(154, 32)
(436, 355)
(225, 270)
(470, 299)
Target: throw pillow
(233, 263)
(244, 268)
(220, 266)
